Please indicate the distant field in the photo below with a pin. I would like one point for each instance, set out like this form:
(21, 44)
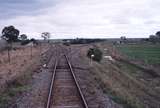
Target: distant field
(149, 53)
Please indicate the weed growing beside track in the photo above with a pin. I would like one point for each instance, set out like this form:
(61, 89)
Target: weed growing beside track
(14, 88)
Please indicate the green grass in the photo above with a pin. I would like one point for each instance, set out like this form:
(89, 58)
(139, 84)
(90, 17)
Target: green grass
(7, 96)
(13, 90)
(150, 54)
(122, 100)
(126, 103)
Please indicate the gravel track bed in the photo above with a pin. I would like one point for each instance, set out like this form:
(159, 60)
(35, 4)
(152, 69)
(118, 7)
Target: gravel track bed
(94, 96)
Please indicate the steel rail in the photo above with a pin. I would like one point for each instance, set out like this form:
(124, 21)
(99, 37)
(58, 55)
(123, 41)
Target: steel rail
(51, 86)
(75, 80)
(77, 84)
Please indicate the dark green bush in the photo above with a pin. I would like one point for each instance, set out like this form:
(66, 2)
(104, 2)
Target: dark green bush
(66, 44)
(25, 42)
(97, 54)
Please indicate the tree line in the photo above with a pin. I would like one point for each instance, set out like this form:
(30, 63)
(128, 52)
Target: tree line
(152, 38)
(155, 38)
(12, 34)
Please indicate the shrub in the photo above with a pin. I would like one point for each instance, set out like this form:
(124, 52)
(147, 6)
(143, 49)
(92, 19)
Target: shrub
(97, 54)
(25, 42)
(66, 44)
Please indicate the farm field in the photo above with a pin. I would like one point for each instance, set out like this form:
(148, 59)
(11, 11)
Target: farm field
(124, 82)
(148, 53)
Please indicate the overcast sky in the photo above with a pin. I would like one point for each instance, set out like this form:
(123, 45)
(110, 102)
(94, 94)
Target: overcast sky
(82, 18)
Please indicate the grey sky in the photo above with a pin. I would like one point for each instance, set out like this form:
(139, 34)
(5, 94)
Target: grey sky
(82, 18)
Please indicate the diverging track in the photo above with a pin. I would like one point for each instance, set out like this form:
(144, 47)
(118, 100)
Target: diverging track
(64, 90)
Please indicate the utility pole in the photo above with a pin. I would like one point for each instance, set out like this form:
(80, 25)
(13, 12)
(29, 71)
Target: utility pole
(31, 50)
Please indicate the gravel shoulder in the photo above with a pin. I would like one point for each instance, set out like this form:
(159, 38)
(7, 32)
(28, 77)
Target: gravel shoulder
(90, 87)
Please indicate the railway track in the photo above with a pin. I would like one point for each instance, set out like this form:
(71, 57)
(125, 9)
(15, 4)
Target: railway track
(64, 91)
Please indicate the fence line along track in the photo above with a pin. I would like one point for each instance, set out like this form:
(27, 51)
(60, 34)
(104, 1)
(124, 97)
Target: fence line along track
(64, 90)
(14, 103)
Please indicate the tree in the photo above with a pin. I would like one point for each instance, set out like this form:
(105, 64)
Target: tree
(153, 38)
(23, 37)
(45, 35)
(97, 54)
(10, 34)
(158, 34)
(123, 39)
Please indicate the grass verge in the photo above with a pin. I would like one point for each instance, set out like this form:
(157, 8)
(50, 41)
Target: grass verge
(114, 87)
(19, 85)
(14, 89)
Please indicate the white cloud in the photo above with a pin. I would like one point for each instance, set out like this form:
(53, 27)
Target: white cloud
(91, 18)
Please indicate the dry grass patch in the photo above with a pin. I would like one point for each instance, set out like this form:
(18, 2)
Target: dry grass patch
(16, 74)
